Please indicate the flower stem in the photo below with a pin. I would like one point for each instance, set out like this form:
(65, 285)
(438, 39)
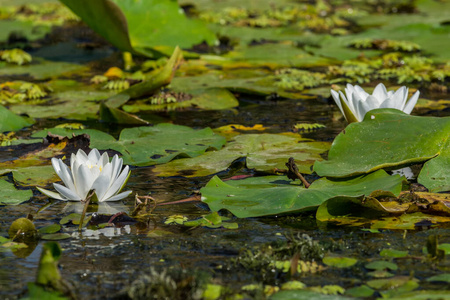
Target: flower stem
(83, 214)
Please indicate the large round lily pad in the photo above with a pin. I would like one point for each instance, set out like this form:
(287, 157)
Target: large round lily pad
(389, 138)
(263, 152)
(149, 145)
(272, 195)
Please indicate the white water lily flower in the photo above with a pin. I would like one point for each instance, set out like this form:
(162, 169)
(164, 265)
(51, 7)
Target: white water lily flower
(357, 103)
(90, 172)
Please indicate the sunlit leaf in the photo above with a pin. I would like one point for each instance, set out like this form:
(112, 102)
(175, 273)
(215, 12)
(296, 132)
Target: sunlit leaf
(10, 121)
(360, 291)
(381, 265)
(440, 277)
(208, 99)
(273, 195)
(150, 145)
(389, 138)
(339, 261)
(56, 236)
(263, 152)
(11, 195)
(136, 26)
(305, 295)
(393, 253)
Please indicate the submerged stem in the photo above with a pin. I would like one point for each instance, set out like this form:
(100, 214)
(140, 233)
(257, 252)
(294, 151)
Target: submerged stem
(83, 214)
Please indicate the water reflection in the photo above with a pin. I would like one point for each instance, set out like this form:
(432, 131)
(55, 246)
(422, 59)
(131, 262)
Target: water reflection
(109, 231)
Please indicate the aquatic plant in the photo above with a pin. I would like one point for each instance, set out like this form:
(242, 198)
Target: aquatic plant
(90, 172)
(358, 102)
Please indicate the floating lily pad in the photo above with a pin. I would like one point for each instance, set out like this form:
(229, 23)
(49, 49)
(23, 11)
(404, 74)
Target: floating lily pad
(393, 253)
(273, 195)
(381, 265)
(56, 236)
(422, 295)
(389, 138)
(339, 261)
(50, 229)
(208, 99)
(11, 195)
(360, 291)
(213, 220)
(23, 28)
(69, 99)
(11, 121)
(35, 175)
(42, 69)
(263, 152)
(144, 146)
(305, 295)
(440, 278)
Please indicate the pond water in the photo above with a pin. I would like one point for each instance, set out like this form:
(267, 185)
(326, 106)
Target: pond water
(101, 263)
(167, 261)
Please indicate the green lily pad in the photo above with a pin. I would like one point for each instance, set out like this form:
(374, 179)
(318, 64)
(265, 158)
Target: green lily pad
(273, 195)
(50, 229)
(69, 99)
(35, 175)
(272, 55)
(360, 291)
(56, 236)
(422, 295)
(26, 29)
(136, 26)
(11, 121)
(144, 146)
(393, 253)
(339, 261)
(11, 195)
(208, 99)
(212, 220)
(389, 138)
(42, 69)
(263, 152)
(381, 265)
(305, 295)
(440, 278)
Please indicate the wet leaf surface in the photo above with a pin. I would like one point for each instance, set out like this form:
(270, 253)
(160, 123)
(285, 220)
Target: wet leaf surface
(273, 195)
(389, 147)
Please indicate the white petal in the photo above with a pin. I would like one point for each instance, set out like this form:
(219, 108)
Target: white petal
(119, 196)
(51, 194)
(362, 107)
(361, 92)
(107, 171)
(116, 166)
(64, 173)
(399, 98)
(94, 155)
(411, 103)
(103, 160)
(380, 92)
(117, 185)
(84, 180)
(101, 186)
(373, 102)
(81, 157)
(65, 192)
(389, 103)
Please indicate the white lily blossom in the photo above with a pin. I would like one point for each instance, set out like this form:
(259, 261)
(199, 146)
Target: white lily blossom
(89, 172)
(356, 102)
